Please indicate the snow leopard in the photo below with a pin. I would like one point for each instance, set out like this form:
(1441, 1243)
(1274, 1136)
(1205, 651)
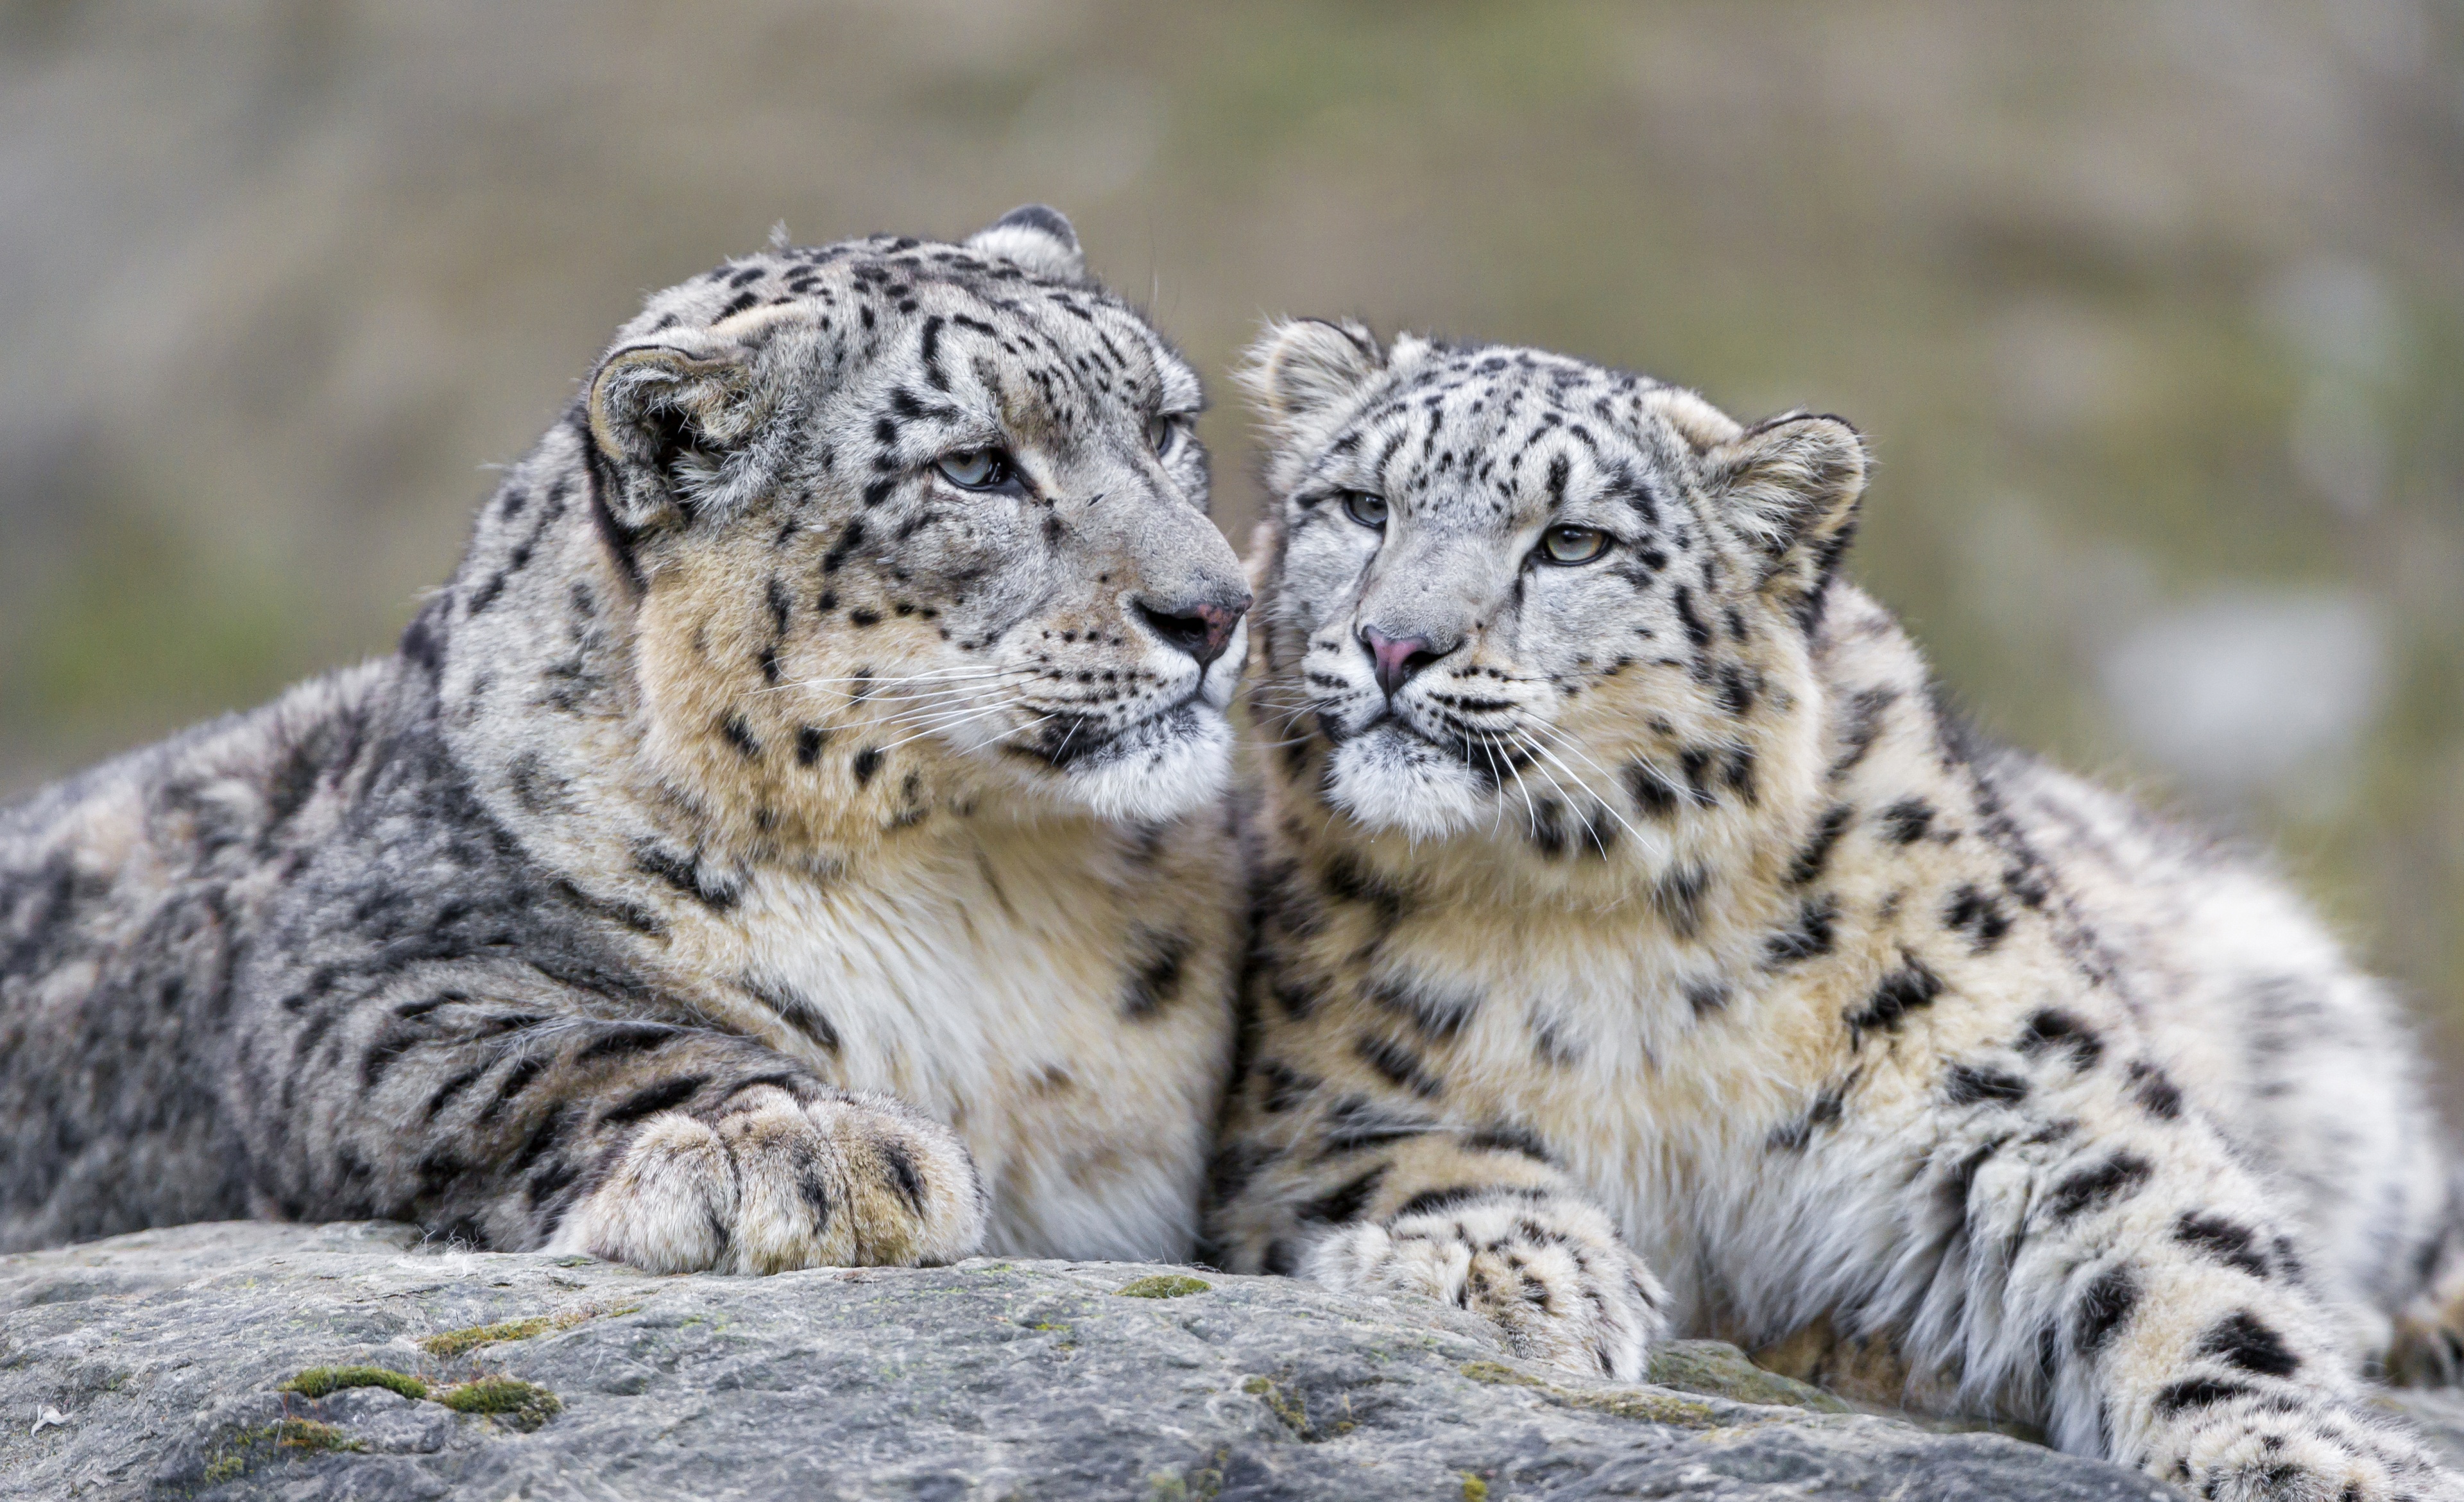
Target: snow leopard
(792, 837)
(1645, 946)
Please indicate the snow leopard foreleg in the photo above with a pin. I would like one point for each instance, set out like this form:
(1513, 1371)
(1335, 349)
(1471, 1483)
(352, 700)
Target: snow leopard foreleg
(1391, 1202)
(529, 1122)
(2099, 1247)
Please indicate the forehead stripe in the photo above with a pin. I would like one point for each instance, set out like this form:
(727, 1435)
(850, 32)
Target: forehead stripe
(932, 354)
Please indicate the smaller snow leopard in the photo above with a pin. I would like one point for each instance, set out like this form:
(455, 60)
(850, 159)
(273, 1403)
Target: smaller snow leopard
(791, 838)
(1642, 948)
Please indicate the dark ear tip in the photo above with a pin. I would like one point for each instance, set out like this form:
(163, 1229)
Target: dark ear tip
(1044, 219)
(1363, 337)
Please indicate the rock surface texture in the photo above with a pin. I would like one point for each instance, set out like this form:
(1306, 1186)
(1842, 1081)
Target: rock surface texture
(352, 1361)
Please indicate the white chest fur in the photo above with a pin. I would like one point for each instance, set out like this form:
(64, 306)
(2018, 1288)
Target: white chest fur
(1661, 1110)
(988, 979)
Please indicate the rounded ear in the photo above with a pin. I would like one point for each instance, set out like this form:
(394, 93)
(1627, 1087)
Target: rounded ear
(664, 418)
(1702, 425)
(1036, 237)
(1301, 371)
(1789, 488)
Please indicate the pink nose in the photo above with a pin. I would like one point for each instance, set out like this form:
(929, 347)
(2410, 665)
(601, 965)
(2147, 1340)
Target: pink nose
(1397, 658)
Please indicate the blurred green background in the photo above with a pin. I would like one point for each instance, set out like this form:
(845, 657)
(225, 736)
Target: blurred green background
(2154, 313)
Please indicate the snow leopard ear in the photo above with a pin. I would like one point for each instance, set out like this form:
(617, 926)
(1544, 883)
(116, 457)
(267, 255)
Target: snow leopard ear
(1702, 425)
(1789, 488)
(1301, 371)
(1036, 237)
(665, 416)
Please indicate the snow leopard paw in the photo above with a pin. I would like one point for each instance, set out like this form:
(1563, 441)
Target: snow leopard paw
(2273, 1447)
(773, 1183)
(1550, 1273)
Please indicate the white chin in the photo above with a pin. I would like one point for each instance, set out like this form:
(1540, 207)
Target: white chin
(1160, 769)
(1392, 779)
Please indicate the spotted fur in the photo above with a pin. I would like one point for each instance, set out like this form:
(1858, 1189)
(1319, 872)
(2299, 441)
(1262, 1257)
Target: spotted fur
(764, 851)
(1643, 947)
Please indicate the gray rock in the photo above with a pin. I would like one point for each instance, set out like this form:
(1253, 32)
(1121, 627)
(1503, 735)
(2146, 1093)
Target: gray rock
(168, 1354)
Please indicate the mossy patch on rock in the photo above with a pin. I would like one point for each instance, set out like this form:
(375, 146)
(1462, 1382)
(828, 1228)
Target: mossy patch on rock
(1496, 1374)
(231, 1461)
(1720, 1370)
(319, 1381)
(455, 1342)
(1627, 1403)
(1293, 1408)
(1164, 1284)
(310, 1435)
(508, 1400)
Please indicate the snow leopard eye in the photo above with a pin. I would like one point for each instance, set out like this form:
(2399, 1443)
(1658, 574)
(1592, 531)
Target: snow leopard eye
(977, 469)
(1369, 510)
(1163, 433)
(1566, 544)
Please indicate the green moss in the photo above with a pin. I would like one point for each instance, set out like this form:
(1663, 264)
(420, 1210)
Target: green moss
(1164, 1284)
(1498, 1374)
(310, 1435)
(319, 1381)
(1292, 1410)
(296, 1434)
(1475, 1490)
(1650, 1406)
(1655, 1407)
(1722, 1371)
(1199, 1486)
(455, 1342)
(509, 1399)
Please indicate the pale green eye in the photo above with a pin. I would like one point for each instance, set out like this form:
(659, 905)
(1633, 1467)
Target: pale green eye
(1573, 544)
(1369, 510)
(976, 469)
(1163, 433)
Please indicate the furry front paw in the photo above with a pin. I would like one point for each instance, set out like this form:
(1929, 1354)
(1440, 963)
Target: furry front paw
(2270, 1449)
(1550, 1273)
(774, 1184)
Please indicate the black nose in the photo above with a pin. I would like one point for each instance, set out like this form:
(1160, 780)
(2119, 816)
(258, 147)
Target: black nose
(1201, 630)
(1397, 658)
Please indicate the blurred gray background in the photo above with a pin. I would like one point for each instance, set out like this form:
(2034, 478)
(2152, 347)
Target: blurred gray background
(2154, 313)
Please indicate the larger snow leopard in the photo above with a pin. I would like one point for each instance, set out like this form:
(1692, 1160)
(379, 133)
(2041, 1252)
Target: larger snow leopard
(1643, 947)
(790, 838)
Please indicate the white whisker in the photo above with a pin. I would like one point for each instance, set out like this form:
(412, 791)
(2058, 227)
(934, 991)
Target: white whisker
(947, 724)
(1489, 752)
(1530, 809)
(921, 714)
(1554, 785)
(952, 677)
(1588, 790)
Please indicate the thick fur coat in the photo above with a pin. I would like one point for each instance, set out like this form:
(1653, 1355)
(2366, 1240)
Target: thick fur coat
(792, 837)
(1643, 947)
